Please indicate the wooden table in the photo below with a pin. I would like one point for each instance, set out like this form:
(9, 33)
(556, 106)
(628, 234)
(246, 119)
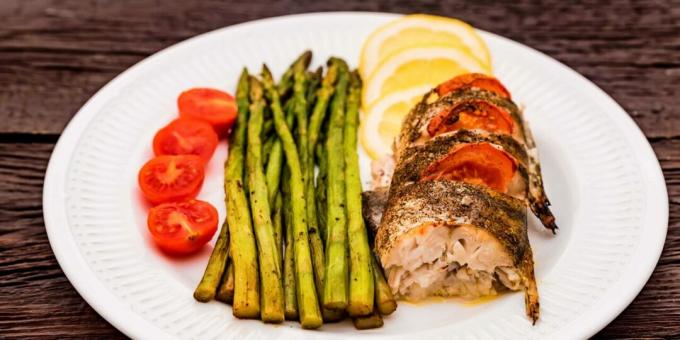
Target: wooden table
(55, 54)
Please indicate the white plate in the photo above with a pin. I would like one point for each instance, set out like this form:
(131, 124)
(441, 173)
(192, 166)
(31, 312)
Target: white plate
(606, 186)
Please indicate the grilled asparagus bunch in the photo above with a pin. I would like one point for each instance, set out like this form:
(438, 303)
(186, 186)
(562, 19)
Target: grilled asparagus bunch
(293, 246)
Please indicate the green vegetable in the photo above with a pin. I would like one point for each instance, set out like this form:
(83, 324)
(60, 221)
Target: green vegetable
(360, 273)
(267, 245)
(216, 264)
(373, 320)
(336, 274)
(289, 293)
(243, 251)
(384, 300)
(286, 82)
(309, 312)
(320, 192)
(225, 292)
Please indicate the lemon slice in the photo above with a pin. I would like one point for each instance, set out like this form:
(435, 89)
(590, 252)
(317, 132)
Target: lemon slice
(420, 30)
(382, 121)
(417, 67)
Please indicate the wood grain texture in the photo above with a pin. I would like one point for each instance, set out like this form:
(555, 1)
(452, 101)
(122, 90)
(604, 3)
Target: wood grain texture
(55, 54)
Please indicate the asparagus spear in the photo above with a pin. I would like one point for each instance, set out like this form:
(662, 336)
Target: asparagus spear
(302, 90)
(300, 97)
(320, 192)
(225, 292)
(244, 253)
(335, 288)
(275, 162)
(314, 80)
(269, 257)
(373, 320)
(277, 220)
(216, 264)
(384, 300)
(315, 123)
(309, 313)
(290, 299)
(360, 275)
(286, 82)
(267, 148)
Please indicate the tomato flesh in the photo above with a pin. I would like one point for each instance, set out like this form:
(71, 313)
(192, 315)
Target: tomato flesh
(473, 80)
(213, 106)
(182, 228)
(186, 137)
(171, 178)
(479, 163)
(471, 114)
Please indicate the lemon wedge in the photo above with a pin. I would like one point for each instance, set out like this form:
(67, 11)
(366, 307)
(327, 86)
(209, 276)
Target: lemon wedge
(382, 121)
(420, 30)
(423, 66)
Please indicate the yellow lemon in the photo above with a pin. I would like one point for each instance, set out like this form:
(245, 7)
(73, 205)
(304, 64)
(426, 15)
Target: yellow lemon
(420, 30)
(382, 121)
(422, 66)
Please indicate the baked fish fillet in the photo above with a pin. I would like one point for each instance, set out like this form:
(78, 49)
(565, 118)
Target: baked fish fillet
(447, 238)
(416, 131)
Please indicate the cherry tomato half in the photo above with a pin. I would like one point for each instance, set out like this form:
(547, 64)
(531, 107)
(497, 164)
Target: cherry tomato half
(182, 228)
(186, 137)
(210, 105)
(171, 178)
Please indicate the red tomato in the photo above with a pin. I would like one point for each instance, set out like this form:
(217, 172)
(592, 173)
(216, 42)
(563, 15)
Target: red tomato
(473, 80)
(210, 105)
(471, 114)
(186, 137)
(182, 228)
(171, 178)
(475, 164)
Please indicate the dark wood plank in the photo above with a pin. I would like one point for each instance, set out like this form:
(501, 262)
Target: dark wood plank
(37, 299)
(54, 54)
(656, 311)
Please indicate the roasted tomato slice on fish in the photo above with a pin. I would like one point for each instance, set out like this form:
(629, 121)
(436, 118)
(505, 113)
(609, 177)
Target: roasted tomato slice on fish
(475, 164)
(473, 80)
(471, 114)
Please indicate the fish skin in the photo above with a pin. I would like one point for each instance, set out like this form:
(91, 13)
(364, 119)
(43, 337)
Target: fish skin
(454, 203)
(372, 207)
(418, 118)
(444, 201)
(417, 158)
(538, 199)
(415, 123)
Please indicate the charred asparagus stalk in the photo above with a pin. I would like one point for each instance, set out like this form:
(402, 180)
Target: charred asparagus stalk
(269, 257)
(225, 292)
(336, 269)
(308, 308)
(300, 90)
(215, 269)
(244, 253)
(320, 192)
(384, 300)
(373, 320)
(289, 293)
(287, 79)
(275, 161)
(360, 268)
